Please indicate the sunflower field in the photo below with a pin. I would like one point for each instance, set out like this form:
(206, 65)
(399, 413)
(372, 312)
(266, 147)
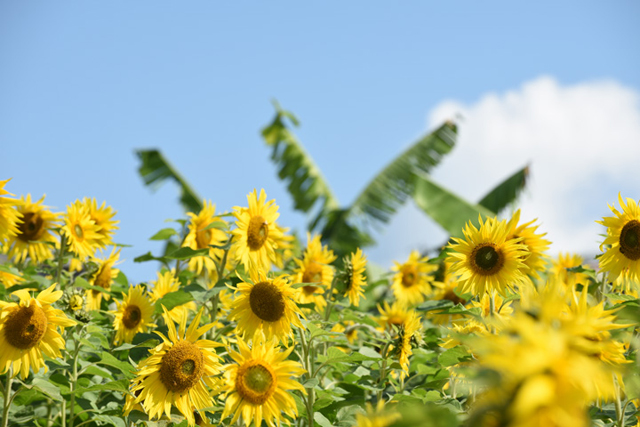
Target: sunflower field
(247, 324)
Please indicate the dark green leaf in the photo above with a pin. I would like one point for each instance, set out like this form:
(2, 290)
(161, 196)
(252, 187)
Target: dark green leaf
(172, 300)
(453, 356)
(187, 253)
(506, 192)
(147, 257)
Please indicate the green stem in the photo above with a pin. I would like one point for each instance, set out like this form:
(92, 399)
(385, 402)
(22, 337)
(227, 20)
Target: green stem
(383, 370)
(329, 307)
(74, 379)
(306, 360)
(63, 245)
(7, 400)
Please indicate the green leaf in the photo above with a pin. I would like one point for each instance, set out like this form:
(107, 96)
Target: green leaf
(164, 234)
(109, 360)
(506, 192)
(148, 257)
(446, 208)
(186, 252)
(322, 420)
(434, 305)
(155, 169)
(295, 166)
(47, 388)
(453, 356)
(172, 299)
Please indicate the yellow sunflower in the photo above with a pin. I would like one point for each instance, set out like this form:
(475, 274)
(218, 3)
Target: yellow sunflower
(354, 279)
(377, 416)
(201, 237)
(535, 244)
(314, 269)
(449, 290)
(256, 235)
(82, 232)
(408, 334)
(266, 305)
(622, 241)
(102, 278)
(134, 314)
(103, 217)
(9, 279)
(178, 372)
(487, 260)
(565, 261)
(394, 315)
(258, 385)
(9, 216)
(168, 283)
(284, 243)
(34, 238)
(412, 281)
(28, 329)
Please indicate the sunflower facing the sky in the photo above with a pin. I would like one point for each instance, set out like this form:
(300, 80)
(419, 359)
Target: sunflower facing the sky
(412, 281)
(30, 328)
(134, 314)
(623, 241)
(179, 372)
(9, 216)
(315, 269)
(256, 235)
(34, 238)
(487, 260)
(267, 306)
(102, 278)
(201, 237)
(353, 276)
(82, 232)
(168, 283)
(258, 385)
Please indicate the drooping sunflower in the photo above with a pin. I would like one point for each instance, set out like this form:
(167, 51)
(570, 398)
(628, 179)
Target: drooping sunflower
(258, 385)
(9, 216)
(134, 314)
(30, 328)
(102, 216)
(535, 244)
(412, 281)
(267, 306)
(82, 232)
(201, 237)
(256, 235)
(102, 278)
(408, 334)
(565, 261)
(168, 283)
(178, 372)
(34, 238)
(353, 277)
(622, 241)
(314, 269)
(487, 260)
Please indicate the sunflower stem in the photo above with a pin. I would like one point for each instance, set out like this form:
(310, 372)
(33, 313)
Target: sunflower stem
(63, 245)
(74, 378)
(7, 401)
(329, 307)
(306, 350)
(618, 403)
(383, 369)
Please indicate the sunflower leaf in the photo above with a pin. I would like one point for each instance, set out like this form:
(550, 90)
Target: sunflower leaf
(506, 192)
(186, 252)
(449, 210)
(155, 170)
(172, 300)
(164, 234)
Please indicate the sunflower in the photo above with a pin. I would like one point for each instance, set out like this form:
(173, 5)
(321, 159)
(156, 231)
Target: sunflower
(377, 416)
(394, 315)
(353, 276)
(535, 244)
(9, 279)
(284, 243)
(487, 260)
(201, 237)
(412, 281)
(82, 232)
(266, 305)
(102, 216)
(314, 269)
(178, 371)
(168, 283)
(258, 385)
(102, 278)
(9, 216)
(622, 241)
(34, 238)
(28, 329)
(256, 235)
(565, 261)
(409, 333)
(134, 315)
(449, 290)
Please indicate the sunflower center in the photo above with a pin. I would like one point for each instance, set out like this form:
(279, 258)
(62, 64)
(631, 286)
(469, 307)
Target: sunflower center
(25, 327)
(131, 316)
(409, 276)
(267, 302)
(257, 232)
(450, 295)
(309, 290)
(395, 320)
(182, 366)
(103, 278)
(255, 382)
(31, 228)
(78, 230)
(203, 237)
(486, 260)
(312, 273)
(630, 240)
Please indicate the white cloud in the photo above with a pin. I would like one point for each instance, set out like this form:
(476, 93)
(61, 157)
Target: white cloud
(582, 142)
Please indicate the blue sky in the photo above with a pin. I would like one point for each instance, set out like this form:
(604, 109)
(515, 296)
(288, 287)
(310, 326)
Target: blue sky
(84, 84)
